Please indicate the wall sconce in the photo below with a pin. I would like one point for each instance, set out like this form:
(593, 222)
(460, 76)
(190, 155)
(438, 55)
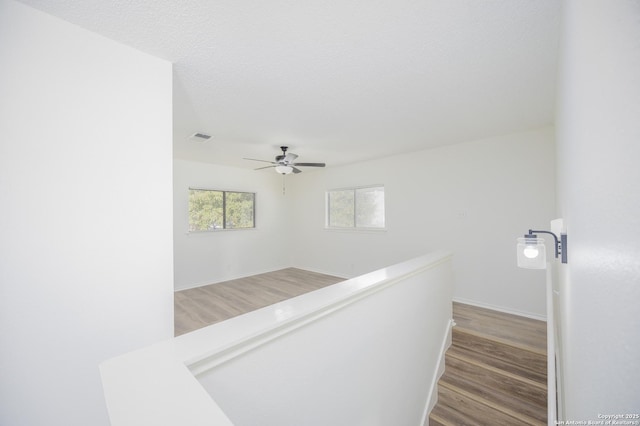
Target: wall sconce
(532, 251)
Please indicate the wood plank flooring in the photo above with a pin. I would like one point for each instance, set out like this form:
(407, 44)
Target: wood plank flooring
(495, 371)
(515, 330)
(198, 307)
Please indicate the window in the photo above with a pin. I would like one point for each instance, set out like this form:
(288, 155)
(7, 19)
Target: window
(356, 208)
(210, 210)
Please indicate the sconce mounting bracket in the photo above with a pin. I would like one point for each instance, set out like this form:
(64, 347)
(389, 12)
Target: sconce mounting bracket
(560, 246)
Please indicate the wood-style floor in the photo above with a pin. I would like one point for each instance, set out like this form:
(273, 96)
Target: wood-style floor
(495, 371)
(198, 307)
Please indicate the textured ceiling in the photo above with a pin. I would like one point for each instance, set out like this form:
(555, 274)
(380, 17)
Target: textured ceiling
(339, 81)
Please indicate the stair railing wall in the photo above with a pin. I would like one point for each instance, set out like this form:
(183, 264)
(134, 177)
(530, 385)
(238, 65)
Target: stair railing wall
(366, 351)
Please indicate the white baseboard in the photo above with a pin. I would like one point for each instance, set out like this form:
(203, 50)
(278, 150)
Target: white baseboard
(501, 309)
(230, 278)
(249, 274)
(432, 399)
(320, 271)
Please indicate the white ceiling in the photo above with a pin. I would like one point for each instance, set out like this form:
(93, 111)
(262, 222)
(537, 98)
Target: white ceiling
(339, 81)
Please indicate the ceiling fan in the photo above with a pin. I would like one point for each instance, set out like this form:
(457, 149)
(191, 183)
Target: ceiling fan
(285, 163)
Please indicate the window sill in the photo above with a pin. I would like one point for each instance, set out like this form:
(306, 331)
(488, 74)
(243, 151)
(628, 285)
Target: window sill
(215, 231)
(357, 230)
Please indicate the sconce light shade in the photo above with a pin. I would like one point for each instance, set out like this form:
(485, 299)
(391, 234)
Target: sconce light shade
(284, 170)
(532, 253)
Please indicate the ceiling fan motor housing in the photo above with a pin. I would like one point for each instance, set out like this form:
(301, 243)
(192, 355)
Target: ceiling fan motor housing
(279, 158)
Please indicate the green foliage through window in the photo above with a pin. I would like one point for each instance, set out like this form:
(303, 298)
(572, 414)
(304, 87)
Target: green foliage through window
(356, 208)
(210, 210)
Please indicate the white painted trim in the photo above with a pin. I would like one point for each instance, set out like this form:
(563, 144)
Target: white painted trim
(500, 309)
(361, 230)
(432, 398)
(552, 414)
(219, 230)
(321, 271)
(233, 277)
(555, 400)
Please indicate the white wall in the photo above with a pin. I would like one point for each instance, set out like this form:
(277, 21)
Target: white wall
(329, 357)
(599, 187)
(210, 257)
(473, 198)
(85, 214)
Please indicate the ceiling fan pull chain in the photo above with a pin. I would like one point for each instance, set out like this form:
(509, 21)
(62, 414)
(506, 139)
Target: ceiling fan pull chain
(283, 175)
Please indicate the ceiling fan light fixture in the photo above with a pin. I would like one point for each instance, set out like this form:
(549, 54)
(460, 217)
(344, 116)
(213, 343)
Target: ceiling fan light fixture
(284, 170)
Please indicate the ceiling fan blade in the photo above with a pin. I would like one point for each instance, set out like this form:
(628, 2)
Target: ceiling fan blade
(296, 170)
(266, 167)
(290, 157)
(262, 161)
(309, 164)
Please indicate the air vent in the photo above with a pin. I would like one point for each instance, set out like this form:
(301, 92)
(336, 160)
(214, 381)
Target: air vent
(200, 137)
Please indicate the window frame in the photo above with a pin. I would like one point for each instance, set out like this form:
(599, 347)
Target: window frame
(224, 211)
(354, 227)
